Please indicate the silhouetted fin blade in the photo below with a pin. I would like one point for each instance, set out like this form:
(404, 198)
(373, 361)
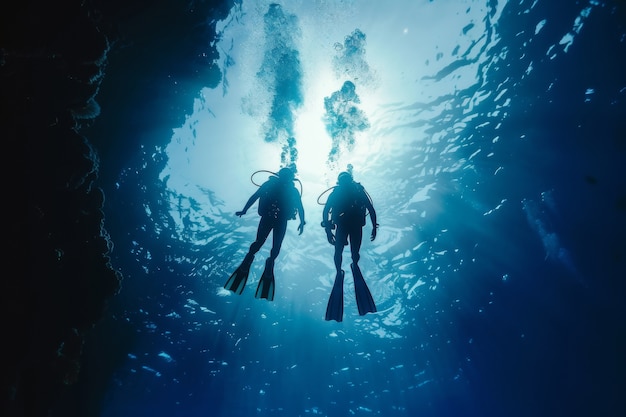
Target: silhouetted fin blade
(237, 281)
(334, 309)
(364, 300)
(265, 289)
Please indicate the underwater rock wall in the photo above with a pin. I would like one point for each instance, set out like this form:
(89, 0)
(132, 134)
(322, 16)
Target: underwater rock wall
(54, 59)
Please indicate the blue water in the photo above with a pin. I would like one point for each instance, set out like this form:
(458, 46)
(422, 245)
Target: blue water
(491, 137)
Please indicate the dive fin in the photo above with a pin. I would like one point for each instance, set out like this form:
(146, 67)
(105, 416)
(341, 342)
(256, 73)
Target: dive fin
(364, 300)
(334, 309)
(237, 281)
(265, 289)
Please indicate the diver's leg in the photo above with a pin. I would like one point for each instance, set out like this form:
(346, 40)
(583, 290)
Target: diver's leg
(338, 256)
(356, 238)
(265, 226)
(280, 228)
(340, 239)
(238, 279)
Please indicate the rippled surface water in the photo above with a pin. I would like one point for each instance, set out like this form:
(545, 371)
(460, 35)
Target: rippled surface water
(482, 130)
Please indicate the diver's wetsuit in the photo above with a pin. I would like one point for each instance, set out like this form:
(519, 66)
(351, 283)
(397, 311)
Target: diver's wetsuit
(279, 202)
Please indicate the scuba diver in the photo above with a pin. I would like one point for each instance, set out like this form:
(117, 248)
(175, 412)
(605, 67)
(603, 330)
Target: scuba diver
(346, 210)
(279, 202)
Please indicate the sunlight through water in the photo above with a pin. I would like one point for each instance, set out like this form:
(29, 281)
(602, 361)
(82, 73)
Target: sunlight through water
(423, 101)
(325, 85)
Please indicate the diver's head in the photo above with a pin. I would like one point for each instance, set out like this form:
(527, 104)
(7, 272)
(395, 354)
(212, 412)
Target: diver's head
(344, 178)
(286, 174)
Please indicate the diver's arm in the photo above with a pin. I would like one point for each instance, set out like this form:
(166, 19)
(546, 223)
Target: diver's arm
(249, 203)
(327, 225)
(372, 212)
(300, 209)
(325, 212)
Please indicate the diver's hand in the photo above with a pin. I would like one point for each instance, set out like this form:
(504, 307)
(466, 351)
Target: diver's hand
(330, 237)
(301, 227)
(328, 227)
(241, 213)
(374, 230)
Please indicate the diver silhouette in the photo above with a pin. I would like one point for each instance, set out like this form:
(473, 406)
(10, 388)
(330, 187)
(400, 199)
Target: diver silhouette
(279, 202)
(345, 212)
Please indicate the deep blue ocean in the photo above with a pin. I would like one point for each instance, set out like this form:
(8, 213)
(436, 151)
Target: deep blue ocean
(491, 136)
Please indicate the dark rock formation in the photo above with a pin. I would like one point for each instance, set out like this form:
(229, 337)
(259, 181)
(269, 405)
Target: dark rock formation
(64, 68)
